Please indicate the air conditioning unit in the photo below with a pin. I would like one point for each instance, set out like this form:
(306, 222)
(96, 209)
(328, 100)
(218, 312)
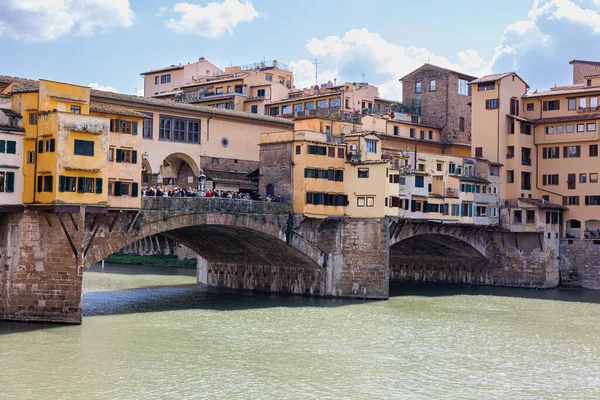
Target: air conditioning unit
(353, 148)
(451, 190)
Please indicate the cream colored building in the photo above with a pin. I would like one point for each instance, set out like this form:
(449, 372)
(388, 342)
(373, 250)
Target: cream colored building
(11, 155)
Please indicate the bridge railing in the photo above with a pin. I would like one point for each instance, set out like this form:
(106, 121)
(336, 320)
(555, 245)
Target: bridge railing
(203, 204)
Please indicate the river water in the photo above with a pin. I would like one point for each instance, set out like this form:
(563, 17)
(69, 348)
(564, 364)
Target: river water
(151, 333)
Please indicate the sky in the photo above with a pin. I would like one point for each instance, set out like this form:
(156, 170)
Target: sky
(107, 43)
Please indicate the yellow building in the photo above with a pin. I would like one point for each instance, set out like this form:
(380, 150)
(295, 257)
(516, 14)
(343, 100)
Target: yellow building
(548, 142)
(65, 148)
(124, 169)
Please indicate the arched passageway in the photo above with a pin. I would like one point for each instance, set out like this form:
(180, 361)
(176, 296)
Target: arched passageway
(438, 258)
(178, 169)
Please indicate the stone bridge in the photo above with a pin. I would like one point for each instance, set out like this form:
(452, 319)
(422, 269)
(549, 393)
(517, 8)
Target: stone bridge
(258, 246)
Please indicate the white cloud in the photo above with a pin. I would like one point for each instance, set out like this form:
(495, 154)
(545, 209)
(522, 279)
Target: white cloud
(98, 86)
(304, 74)
(360, 51)
(47, 20)
(555, 32)
(214, 20)
(138, 92)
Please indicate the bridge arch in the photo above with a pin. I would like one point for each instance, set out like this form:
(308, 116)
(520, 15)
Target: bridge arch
(435, 252)
(219, 230)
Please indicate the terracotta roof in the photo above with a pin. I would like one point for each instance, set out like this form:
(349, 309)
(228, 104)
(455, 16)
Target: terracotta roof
(215, 81)
(568, 118)
(493, 77)
(165, 69)
(112, 109)
(584, 62)
(592, 76)
(542, 204)
(229, 177)
(99, 94)
(439, 68)
(362, 162)
(521, 118)
(567, 90)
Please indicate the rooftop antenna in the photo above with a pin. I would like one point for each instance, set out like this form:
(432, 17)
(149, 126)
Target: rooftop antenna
(316, 64)
(363, 75)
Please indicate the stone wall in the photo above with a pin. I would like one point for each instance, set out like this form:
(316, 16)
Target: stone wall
(443, 107)
(582, 69)
(580, 263)
(227, 164)
(276, 169)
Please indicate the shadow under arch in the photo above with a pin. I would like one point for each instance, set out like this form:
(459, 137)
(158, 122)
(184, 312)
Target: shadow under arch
(435, 245)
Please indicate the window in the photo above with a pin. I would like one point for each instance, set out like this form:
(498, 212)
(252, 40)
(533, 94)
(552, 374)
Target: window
(525, 156)
(396, 130)
(418, 88)
(422, 134)
(593, 102)
(322, 104)
(340, 152)
(591, 127)
(260, 93)
(156, 80)
(572, 104)
(165, 78)
(430, 135)
(179, 130)
(593, 150)
(432, 85)
(75, 110)
(298, 149)
(530, 106)
(552, 105)
(363, 172)
(518, 216)
(274, 111)
(461, 124)
(580, 127)
(510, 176)
(111, 154)
(582, 102)
(491, 104)
(7, 182)
(550, 180)
(572, 200)
(317, 150)
(84, 148)
(549, 130)
(31, 157)
(147, 128)
(510, 151)
(571, 181)
(478, 151)
(592, 200)
(530, 216)
(360, 201)
(419, 181)
(413, 132)
(589, 82)
(339, 175)
(219, 90)
(309, 106)
(125, 189)
(254, 109)
(570, 128)
(287, 109)
(47, 183)
(484, 86)
(594, 177)
(10, 146)
(559, 129)
(582, 178)
(463, 87)
(371, 146)
(269, 78)
(550, 152)
(337, 102)
(331, 152)
(571, 151)
(33, 118)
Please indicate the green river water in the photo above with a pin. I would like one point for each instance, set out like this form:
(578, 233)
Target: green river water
(151, 333)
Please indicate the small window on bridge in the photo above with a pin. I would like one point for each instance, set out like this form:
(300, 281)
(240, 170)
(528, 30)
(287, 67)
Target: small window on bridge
(518, 216)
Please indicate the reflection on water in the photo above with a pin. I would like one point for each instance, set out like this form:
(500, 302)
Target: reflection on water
(150, 332)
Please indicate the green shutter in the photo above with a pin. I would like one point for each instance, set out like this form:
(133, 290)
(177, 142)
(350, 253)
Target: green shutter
(117, 125)
(11, 147)
(134, 128)
(98, 185)
(119, 155)
(2, 146)
(118, 188)
(52, 144)
(39, 183)
(62, 183)
(134, 189)
(80, 184)
(89, 148)
(10, 182)
(134, 156)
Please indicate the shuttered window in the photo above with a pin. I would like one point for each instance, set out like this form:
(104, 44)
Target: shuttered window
(84, 148)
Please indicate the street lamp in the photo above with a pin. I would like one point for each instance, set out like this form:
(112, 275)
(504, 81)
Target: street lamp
(201, 179)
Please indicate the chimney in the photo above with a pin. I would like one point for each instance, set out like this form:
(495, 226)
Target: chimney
(274, 63)
(201, 59)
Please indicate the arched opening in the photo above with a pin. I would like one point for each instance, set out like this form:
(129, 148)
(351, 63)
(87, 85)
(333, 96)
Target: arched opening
(592, 229)
(147, 176)
(437, 258)
(573, 229)
(178, 169)
(270, 190)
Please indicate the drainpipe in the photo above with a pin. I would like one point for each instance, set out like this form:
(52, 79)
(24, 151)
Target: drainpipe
(35, 151)
(498, 130)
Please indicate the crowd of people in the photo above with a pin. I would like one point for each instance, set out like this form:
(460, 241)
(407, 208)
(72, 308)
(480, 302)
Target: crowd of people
(193, 192)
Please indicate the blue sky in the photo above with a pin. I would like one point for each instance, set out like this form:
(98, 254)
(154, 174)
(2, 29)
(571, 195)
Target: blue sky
(108, 42)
